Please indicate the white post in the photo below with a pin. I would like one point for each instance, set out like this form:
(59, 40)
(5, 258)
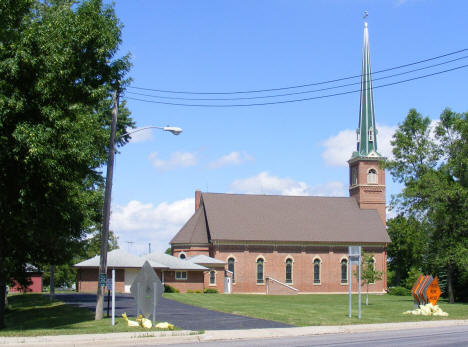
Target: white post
(349, 282)
(155, 298)
(113, 296)
(359, 288)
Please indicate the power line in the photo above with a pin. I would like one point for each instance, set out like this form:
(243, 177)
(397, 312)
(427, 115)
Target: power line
(299, 86)
(296, 93)
(298, 100)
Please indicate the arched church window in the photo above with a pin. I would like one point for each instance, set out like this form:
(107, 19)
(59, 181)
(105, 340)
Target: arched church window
(231, 267)
(372, 177)
(344, 271)
(372, 268)
(354, 178)
(289, 264)
(317, 271)
(260, 270)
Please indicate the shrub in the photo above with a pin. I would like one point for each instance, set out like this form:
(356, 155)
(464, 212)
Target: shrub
(191, 291)
(211, 291)
(400, 291)
(169, 289)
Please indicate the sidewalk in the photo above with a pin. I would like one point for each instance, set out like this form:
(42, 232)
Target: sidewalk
(186, 336)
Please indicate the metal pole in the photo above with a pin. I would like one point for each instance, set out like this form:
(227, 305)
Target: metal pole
(154, 301)
(113, 296)
(106, 214)
(359, 288)
(349, 282)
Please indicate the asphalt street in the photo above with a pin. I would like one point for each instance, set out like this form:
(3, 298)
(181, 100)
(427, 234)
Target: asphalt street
(456, 336)
(184, 316)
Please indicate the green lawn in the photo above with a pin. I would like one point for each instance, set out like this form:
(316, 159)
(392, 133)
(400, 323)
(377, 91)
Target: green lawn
(318, 309)
(34, 314)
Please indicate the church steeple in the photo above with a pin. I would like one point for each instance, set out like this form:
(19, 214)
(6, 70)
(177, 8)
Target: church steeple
(366, 175)
(366, 131)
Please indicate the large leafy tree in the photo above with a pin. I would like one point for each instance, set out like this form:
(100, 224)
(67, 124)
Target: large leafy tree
(433, 167)
(58, 67)
(408, 247)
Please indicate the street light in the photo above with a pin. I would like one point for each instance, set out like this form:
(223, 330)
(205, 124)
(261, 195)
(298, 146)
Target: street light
(102, 273)
(173, 130)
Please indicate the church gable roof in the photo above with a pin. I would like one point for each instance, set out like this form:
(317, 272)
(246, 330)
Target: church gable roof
(239, 217)
(194, 231)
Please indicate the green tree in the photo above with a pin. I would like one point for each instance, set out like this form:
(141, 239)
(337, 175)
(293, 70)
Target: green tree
(433, 168)
(368, 272)
(408, 247)
(168, 251)
(57, 72)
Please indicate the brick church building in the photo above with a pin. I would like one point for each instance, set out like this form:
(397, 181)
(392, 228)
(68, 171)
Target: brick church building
(296, 244)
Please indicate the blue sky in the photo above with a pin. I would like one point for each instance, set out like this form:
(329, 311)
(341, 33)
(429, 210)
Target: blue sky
(295, 148)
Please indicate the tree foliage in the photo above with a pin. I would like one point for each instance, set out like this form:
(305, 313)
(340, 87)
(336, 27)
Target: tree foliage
(432, 162)
(57, 72)
(369, 274)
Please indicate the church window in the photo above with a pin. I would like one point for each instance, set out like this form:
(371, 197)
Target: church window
(182, 255)
(354, 177)
(344, 271)
(372, 177)
(231, 267)
(371, 134)
(260, 271)
(317, 271)
(289, 264)
(212, 277)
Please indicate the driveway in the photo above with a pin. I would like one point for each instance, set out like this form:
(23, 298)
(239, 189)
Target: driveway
(182, 315)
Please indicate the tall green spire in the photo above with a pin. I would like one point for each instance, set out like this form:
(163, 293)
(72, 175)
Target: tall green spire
(366, 133)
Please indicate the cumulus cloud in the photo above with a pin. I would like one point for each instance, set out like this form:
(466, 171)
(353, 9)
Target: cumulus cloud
(176, 160)
(233, 158)
(264, 183)
(137, 223)
(338, 148)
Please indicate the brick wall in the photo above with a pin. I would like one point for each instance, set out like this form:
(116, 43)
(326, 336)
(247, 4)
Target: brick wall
(194, 281)
(87, 280)
(245, 272)
(369, 196)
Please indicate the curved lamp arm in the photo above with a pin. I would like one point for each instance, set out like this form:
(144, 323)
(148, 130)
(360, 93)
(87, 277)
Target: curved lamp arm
(173, 130)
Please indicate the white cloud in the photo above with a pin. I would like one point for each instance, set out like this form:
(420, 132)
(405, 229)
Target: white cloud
(141, 223)
(140, 135)
(233, 158)
(177, 159)
(264, 183)
(338, 148)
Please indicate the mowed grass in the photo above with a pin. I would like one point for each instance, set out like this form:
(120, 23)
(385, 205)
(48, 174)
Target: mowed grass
(35, 315)
(318, 309)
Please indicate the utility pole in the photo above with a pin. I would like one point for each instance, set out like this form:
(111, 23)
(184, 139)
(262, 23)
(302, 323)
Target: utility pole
(102, 275)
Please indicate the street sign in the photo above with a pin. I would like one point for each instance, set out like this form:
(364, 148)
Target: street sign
(354, 255)
(147, 289)
(102, 280)
(426, 289)
(109, 284)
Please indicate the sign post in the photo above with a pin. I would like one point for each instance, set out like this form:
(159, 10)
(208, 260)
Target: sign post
(113, 296)
(354, 253)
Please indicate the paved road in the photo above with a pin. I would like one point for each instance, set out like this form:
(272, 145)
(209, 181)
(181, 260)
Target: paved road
(182, 315)
(434, 337)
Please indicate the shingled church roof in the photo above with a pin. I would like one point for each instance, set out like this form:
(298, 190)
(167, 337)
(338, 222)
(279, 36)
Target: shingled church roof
(240, 217)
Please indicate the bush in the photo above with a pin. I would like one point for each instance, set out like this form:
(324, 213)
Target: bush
(211, 291)
(169, 289)
(194, 291)
(400, 291)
